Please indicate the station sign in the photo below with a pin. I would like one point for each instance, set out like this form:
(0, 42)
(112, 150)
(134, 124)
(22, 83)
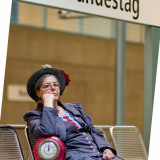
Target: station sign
(137, 11)
(16, 92)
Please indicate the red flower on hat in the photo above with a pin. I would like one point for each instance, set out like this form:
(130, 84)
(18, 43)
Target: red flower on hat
(67, 77)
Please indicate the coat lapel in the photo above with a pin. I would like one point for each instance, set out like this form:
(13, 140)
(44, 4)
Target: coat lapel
(72, 109)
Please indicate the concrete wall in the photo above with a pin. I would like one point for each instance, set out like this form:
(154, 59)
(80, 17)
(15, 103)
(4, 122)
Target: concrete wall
(89, 61)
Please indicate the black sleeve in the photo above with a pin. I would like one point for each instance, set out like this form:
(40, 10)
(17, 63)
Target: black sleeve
(46, 123)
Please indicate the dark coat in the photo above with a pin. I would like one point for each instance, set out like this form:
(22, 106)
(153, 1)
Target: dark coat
(44, 121)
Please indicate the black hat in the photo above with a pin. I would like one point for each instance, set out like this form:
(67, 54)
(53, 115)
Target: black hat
(62, 77)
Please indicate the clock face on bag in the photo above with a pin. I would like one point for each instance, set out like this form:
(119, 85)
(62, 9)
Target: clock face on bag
(48, 149)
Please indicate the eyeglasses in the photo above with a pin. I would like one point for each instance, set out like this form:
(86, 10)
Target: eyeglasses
(49, 86)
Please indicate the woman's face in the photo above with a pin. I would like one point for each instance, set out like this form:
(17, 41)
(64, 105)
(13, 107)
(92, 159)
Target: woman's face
(49, 85)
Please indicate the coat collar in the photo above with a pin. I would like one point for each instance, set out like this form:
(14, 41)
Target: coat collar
(71, 108)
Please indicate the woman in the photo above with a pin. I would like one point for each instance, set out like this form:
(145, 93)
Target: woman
(66, 120)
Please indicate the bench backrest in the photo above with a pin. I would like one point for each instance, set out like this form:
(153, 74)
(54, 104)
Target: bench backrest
(10, 147)
(128, 142)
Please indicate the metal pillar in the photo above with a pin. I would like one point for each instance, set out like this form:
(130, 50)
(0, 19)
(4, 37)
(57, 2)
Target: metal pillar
(120, 73)
(44, 17)
(80, 25)
(152, 37)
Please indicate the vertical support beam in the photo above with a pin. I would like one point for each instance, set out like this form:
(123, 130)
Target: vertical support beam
(80, 25)
(44, 17)
(152, 37)
(120, 73)
(14, 12)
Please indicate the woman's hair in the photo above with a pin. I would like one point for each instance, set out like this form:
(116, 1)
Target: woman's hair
(40, 80)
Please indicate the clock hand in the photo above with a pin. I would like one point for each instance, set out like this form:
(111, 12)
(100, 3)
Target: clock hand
(48, 147)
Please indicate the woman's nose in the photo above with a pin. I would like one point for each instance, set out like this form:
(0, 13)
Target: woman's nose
(52, 87)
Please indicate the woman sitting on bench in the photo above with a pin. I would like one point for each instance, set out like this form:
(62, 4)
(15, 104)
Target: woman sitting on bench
(65, 120)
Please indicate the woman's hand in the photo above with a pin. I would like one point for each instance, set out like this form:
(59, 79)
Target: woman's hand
(48, 99)
(107, 154)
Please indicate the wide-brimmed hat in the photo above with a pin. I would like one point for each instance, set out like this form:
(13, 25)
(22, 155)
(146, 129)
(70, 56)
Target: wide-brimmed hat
(62, 77)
